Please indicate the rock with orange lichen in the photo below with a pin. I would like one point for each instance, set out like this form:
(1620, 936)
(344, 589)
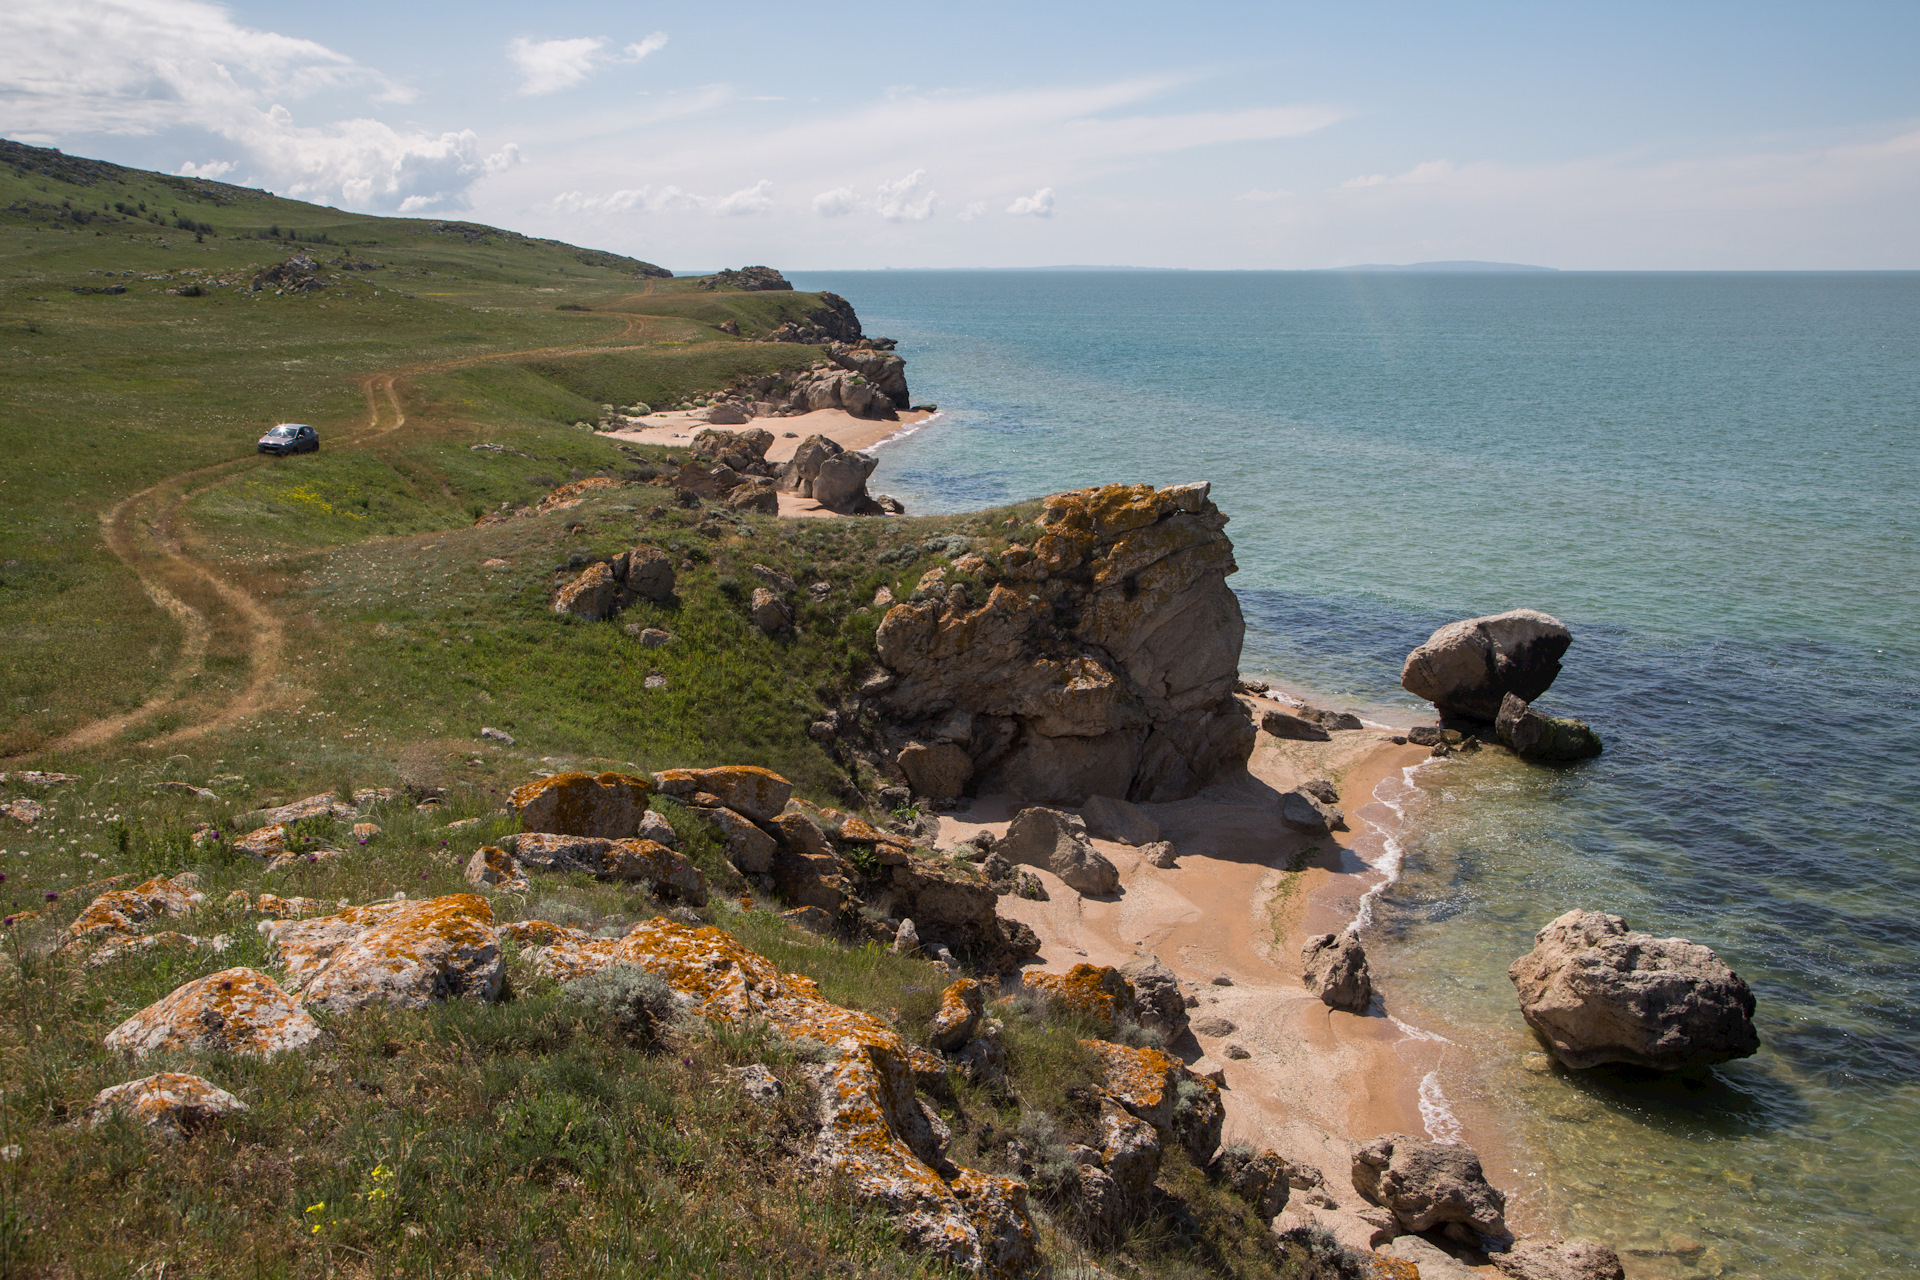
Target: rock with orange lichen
(269, 841)
(665, 871)
(119, 948)
(875, 1133)
(283, 908)
(492, 867)
(171, 1103)
(326, 804)
(402, 953)
(590, 597)
(1101, 662)
(606, 805)
(121, 912)
(236, 1011)
(1100, 993)
(759, 794)
(961, 1007)
(750, 849)
(1158, 1088)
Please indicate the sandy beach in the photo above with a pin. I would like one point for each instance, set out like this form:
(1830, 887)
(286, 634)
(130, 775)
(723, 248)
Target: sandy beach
(1317, 1082)
(836, 425)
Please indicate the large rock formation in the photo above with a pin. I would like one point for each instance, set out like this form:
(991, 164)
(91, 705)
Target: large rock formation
(1050, 838)
(607, 805)
(1533, 736)
(1428, 1185)
(1334, 967)
(1598, 992)
(1466, 668)
(1102, 661)
(831, 475)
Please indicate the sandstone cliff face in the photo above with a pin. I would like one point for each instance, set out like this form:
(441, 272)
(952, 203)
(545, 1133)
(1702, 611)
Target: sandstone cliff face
(1100, 662)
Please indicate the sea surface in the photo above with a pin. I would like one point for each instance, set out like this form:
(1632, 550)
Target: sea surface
(1714, 479)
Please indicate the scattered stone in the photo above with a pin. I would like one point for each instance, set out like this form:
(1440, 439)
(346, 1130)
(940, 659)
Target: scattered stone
(171, 1104)
(119, 948)
(1158, 1003)
(1333, 720)
(1111, 819)
(186, 789)
(962, 1005)
(654, 681)
(1322, 790)
(324, 805)
(654, 826)
(1305, 813)
(1221, 980)
(1259, 1179)
(1533, 736)
(1559, 1260)
(939, 772)
(1160, 854)
(35, 778)
(664, 871)
(1214, 1027)
(498, 735)
(365, 831)
(269, 841)
(769, 612)
(1434, 1262)
(592, 596)
(1430, 1185)
(1057, 840)
(608, 805)
(1282, 725)
(906, 939)
(401, 953)
(1597, 993)
(235, 1011)
(120, 912)
(1334, 968)
(1427, 735)
(1466, 668)
(1237, 1051)
(648, 573)
(653, 638)
(757, 1083)
(1099, 993)
(812, 919)
(495, 868)
(748, 848)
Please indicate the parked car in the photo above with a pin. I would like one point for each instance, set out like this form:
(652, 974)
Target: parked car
(290, 437)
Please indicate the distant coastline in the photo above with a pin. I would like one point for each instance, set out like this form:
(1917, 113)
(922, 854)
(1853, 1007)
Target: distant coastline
(1461, 266)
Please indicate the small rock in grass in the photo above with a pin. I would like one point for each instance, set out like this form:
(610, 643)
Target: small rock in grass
(757, 1083)
(655, 681)
(171, 1104)
(497, 735)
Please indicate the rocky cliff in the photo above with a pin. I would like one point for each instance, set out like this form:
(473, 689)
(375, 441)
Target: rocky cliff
(1095, 656)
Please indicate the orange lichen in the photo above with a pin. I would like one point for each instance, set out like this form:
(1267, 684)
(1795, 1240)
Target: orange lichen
(606, 805)
(404, 953)
(759, 794)
(122, 910)
(1099, 992)
(233, 1011)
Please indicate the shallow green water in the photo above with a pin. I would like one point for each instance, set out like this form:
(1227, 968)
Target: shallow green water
(1715, 480)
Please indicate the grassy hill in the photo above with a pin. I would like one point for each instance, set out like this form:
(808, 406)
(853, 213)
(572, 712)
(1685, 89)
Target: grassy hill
(178, 609)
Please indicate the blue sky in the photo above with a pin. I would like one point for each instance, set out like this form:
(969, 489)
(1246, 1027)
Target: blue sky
(1621, 136)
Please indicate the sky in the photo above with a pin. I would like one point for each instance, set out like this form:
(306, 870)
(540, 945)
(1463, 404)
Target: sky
(1622, 136)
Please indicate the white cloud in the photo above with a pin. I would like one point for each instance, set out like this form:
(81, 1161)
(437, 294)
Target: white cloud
(652, 44)
(211, 169)
(547, 66)
(906, 199)
(837, 203)
(974, 209)
(1427, 171)
(144, 67)
(1037, 205)
(755, 199)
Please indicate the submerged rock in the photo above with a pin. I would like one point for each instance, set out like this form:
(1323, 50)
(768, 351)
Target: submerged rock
(1559, 1260)
(1429, 1185)
(1466, 668)
(1533, 736)
(1334, 967)
(1598, 993)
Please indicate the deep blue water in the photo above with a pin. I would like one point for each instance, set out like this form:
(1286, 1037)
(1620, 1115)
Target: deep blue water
(1715, 481)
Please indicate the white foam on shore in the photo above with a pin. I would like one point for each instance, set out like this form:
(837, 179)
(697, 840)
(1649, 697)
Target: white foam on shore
(1435, 1113)
(910, 429)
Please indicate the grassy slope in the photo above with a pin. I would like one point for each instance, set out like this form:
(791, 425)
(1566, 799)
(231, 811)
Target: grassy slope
(530, 1138)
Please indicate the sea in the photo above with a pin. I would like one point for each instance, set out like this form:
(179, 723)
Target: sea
(1714, 480)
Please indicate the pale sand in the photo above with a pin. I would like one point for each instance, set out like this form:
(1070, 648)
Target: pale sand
(1319, 1082)
(836, 425)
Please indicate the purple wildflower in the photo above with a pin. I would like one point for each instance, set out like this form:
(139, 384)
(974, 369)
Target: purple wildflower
(52, 896)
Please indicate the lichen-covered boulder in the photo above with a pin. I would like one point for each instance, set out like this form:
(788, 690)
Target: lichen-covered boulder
(326, 804)
(1598, 992)
(1554, 739)
(962, 1005)
(1466, 668)
(1429, 1185)
(234, 1011)
(875, 1133)
(1334, 967)
(1096, 992)
(119, 947)
(494, 868)
(760, 794)
(1257, 1177)
(122, 911)
(1157, 1087)
(749, 848)
(607, 805)
(171, 1103)
(590, 597)
(269, 841)
(402, 953)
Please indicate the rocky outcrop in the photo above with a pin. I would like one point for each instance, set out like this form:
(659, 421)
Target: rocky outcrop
(962, 1006)
(1057, 840)
(759, 794)
(1430, 1185)
(885, 371)
(1109, 818)
(401, 953)
(1559, 1260)
(1532, 736)
(1259, 1178)
(1101, 661)
(606, 587)
(1099, 993)
(663, 870)
(938, 771)
(171, 1103)
(235, 1011)
(1466, 668)
(744, 280)
(832, 476)
(875, 1133)
(121, 912)
(1156, 1087)
(607, 805)
(1334, 968)
(1597, 992)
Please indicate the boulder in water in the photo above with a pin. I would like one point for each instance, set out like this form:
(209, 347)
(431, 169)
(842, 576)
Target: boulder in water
(1429, 1185)
(1600, 993)
(1559, 1260)
(1466, 668)
(1533, 736)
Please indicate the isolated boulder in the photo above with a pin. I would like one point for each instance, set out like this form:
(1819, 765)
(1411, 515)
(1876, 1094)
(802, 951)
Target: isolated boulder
(841, 482)
(1303, 811)
(590, 597)
(237, 1011)
(1429, 1185)
(1334, 967)
(1282, 724)
(1466, 668)
(121, 912)
(649, 574)
(171, 1103)
(1597, 993)
(607, 805)
(1110, 819)
(1559, 1260)
(1057, 840)
(1533, 736)
(938, 771)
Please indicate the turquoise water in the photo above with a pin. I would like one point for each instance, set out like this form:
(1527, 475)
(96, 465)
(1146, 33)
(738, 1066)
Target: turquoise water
(1715, 480)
